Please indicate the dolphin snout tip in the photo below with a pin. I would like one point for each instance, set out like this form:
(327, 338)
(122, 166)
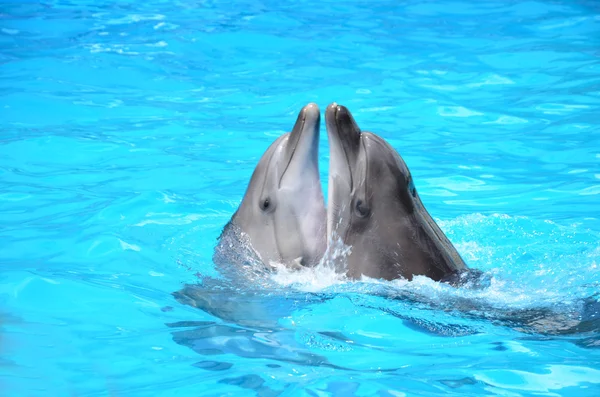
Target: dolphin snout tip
(337, 111)
(311, 109)
(312, 106)
(311, 112)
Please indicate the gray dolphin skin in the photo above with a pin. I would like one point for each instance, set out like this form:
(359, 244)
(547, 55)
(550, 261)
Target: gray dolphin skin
(374, 208)
(282, 214)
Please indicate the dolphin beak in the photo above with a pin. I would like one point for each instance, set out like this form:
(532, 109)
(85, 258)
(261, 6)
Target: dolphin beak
(302, 148)
(343, 131)
(310, 114)
(344, 145)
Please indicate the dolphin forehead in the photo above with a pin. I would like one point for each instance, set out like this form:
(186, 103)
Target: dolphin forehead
(379, 150)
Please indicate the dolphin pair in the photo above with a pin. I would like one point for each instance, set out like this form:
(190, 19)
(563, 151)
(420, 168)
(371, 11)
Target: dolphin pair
(373, 205)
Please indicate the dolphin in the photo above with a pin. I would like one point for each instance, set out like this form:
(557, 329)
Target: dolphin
(282, 217)
(374, 208)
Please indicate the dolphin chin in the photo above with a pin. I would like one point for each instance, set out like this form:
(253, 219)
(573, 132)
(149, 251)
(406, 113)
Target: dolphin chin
(282, 215)
(374, 207)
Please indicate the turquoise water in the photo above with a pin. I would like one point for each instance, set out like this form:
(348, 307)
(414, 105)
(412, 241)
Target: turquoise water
(129, 131)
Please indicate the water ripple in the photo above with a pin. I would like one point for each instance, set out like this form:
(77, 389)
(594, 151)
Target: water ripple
(128, 134)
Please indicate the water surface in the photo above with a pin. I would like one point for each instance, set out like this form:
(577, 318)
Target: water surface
(128, 134)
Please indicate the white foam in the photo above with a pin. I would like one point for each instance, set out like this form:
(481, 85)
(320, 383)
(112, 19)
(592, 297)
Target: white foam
(330, 270)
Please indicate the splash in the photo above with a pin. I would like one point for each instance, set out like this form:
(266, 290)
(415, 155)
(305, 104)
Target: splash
(330, 271)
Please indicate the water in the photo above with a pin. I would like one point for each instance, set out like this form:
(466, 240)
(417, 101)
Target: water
(129, 131)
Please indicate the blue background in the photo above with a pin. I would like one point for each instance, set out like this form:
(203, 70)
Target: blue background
(128, 133)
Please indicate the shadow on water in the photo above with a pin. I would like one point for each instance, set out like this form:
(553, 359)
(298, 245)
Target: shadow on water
(247, 322)
(247, 325)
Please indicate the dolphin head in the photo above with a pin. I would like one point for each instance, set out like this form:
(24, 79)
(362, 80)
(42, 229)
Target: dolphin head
(374, 206)
(367, 179)
(283, 210)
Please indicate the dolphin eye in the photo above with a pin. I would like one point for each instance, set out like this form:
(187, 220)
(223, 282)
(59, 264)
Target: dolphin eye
(361, 209)
(267, 205)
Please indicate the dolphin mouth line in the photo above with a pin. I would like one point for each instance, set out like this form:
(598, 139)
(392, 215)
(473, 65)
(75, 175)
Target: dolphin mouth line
(293, 150)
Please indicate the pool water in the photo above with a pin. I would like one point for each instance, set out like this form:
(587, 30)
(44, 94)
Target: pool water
(129, 131)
